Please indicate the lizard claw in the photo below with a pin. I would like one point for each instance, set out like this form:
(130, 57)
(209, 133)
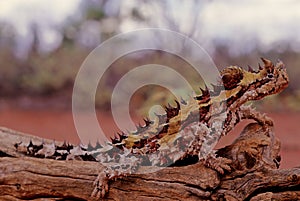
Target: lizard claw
(101, 185)
(219, 164)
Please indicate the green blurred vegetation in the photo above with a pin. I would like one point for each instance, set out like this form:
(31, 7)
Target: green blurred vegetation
(42, 75)
(52, 73)
(39, 75)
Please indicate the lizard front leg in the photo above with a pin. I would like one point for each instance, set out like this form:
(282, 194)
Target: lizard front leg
(203, 145)
(248, 112)
(245, 112)
(220, 164)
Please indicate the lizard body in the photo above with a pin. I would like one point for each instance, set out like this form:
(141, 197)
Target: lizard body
(192, 128)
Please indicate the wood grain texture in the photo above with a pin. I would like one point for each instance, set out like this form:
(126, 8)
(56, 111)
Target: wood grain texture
(254, 177)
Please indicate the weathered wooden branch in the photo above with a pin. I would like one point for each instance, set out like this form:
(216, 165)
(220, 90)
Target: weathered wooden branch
(255, 156)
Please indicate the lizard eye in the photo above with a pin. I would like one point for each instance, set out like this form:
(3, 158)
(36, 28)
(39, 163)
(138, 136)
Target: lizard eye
(270, 75)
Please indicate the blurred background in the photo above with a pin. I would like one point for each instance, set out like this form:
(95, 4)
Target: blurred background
(43, 44)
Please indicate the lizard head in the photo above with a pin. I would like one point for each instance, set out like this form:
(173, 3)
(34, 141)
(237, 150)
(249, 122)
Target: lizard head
(269, 79)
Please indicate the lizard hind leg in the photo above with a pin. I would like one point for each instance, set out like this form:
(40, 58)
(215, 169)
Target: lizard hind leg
(126, 166)
(101, 185)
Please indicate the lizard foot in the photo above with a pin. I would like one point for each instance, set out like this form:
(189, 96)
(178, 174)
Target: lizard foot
(219, 164)
(101, 185)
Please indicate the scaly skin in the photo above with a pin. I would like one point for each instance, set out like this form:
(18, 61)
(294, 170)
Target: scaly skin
(192, 128)
(195, 128)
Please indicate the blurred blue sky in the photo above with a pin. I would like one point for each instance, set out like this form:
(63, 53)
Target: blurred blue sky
(244, 25)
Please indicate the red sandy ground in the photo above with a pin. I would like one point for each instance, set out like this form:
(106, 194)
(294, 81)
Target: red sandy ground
(58, 124)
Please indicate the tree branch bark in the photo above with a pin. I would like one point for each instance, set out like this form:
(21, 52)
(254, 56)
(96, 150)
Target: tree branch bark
(255, 155)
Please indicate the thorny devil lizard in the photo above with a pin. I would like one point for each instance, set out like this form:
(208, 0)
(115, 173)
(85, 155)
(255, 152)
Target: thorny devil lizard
(192, 129)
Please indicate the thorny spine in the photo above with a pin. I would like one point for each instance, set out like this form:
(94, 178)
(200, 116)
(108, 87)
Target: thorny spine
(192, 128)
